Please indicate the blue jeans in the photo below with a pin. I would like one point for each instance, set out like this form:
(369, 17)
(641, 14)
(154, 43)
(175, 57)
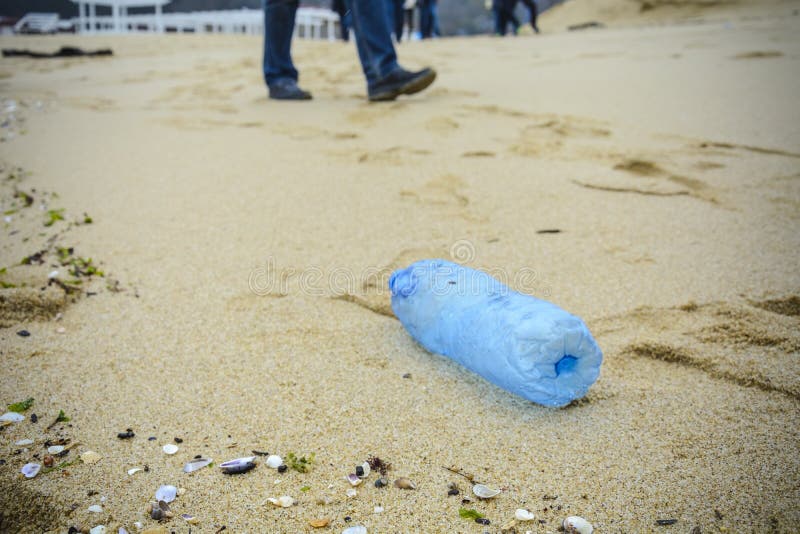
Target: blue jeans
(370, 24)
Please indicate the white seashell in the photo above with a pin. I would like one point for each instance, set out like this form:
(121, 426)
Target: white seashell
(90, 457)
(12, 417)
(577, 525)
(351, 492)
(238, 465)
(95, 508)
(353, 479)
(99, 529)
(197, 463)
(355, 530)
(378, 509)
(284, 502)
(166, 493)
(365, 466)
(274, 461)
(30, 470)
(53, 274)
(23, 442)
(170, 448)
(55, 449)
(122, 530)
(134, 470)
(192, 520)
(485, 492)
(524, 515)
(139, 525)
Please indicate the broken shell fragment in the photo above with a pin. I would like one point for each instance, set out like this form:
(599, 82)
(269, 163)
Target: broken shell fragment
(404, 483)
(577, 525)
(320, 523)
(238, 465)
(355, 530)
(30, 470)
(99, 529)
(24, 442)
(90, 457)
(274, 461)
(284, 501)
(12, 417)
(192, 520)
(351, 492)
(55, 449)
(95, 508)
(169, 448)
(166, 494)
(134, 470)
(197, 463)
(524, 515)
(485, 492)
(353, 479)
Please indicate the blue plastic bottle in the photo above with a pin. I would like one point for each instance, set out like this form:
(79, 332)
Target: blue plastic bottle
(523, 344)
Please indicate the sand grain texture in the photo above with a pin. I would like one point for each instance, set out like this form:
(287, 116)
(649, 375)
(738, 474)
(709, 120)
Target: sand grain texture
(246, 245)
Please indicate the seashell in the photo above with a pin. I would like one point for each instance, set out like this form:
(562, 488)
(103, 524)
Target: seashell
(156, 513)
(319, 523)
(365, 466)
(134, 470)
(23, 442)
(12, 417)
(404, 483)
(351, 492)
(284, 502)
(485, 492)
(170, 448)
(53, 274)
(381, 482)
(90, 457)
(166, 494)
(197, 463)
(353, 479)
(377, 509)
(55, 449)
(122, 530)
(238, 465)
(524, 515)
(274, 461)
(99, 529)
(95, 508)
(48, 460)
(192, 520)
(577, 525)
(355, 530)
(30, 470)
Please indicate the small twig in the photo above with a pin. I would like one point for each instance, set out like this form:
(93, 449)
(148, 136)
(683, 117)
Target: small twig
(459, 472)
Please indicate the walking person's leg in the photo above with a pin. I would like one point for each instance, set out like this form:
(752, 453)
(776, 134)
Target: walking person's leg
(386, 79)
(280, 74)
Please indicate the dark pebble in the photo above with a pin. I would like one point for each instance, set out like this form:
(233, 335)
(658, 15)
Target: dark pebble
(198, 456)
(347, 519)
(359, 471)
(2, 461)
(452, 491)
(178, 440)
(260, 453)
(482, 521)
(407, 375)
(381, 482)
(465, 501)
(73, 530)
(125, 435)
(34, 418)
(665, 522)
(282, 468)
(23, 333)
(152, 438)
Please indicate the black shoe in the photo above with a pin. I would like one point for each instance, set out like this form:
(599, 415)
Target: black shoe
(287, 89)
(401, 82)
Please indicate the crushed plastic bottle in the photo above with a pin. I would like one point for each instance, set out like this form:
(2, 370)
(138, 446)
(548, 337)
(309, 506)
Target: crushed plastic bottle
(523, 344)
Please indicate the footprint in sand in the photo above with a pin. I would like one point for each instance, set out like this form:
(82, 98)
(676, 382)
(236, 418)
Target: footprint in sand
(753, 345)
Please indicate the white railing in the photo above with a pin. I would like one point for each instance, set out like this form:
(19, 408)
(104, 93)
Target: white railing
(310, 23)
(37, 23)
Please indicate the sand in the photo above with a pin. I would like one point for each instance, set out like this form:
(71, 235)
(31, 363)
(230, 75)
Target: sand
(245, 244)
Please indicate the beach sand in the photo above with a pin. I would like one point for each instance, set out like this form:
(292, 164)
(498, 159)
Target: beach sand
(246, 243)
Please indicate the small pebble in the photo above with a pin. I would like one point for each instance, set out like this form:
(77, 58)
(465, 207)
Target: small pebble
(34, 418)
(282, 468)
(126, 435)
(452, 491)
(482, 521)
(359, 471)
(274, 461)
(48, 461)
(665, 522)
(152, 438)
(23, 333)
(381, 482)
(178, 440)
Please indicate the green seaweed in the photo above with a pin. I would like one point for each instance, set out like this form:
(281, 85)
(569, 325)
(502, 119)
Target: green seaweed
(469, 513)
(20, 407)
(305, 488)
(302, 464)
(62, 417)
(60, 466)
(53, 216)
(87, 219)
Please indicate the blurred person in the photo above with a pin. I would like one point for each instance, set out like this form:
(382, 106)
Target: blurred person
(386, 79)
(408, 12)
(534, 13)
(344, 18)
